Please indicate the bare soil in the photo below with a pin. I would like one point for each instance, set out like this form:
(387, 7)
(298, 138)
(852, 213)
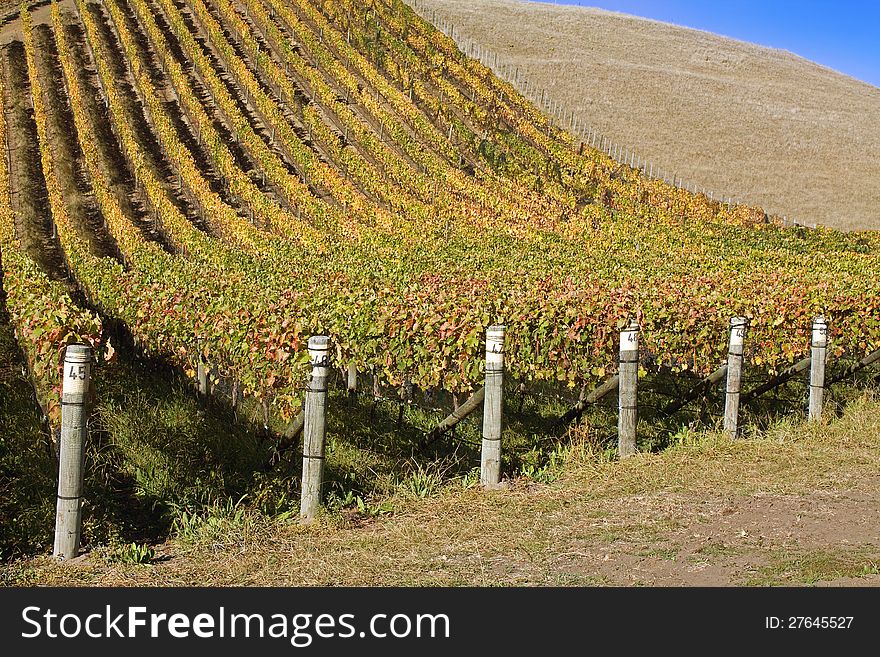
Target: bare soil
(761, 125)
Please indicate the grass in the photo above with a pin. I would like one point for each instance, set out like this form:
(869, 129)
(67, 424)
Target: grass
(661, 553)
(178, 489)
(813, 567)
(714, 550)
(155, 451)
(655, 518)
(27, 469)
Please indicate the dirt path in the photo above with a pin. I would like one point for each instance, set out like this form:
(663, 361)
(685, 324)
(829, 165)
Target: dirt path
(757, 539)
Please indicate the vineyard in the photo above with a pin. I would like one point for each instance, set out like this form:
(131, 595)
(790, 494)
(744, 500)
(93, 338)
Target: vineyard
(205, 184)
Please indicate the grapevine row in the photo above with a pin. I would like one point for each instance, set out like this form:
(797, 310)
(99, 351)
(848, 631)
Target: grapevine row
(167, 301)
(45, 318)
(407, 306)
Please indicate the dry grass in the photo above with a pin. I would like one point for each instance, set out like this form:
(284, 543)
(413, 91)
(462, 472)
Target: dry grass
(762, 125)
(797, 505)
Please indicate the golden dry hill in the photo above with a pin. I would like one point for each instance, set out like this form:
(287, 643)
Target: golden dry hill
(758, 124)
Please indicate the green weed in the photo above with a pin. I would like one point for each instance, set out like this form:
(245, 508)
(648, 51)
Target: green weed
(132, 553)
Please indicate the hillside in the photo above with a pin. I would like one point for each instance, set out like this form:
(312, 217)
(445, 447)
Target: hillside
(757, 124)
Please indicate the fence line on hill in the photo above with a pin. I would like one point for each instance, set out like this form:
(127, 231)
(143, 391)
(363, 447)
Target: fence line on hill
(311, 422)
(489, 397)
(571, 121)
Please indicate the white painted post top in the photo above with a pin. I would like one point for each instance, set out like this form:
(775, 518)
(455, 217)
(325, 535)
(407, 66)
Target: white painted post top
(495, 345)
(738, 327)
(78, 353)
(77, 365)
(629, 338)
(319, 348)
(820, 332)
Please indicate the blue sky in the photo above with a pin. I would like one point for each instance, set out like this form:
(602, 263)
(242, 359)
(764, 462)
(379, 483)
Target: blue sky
(843, 35)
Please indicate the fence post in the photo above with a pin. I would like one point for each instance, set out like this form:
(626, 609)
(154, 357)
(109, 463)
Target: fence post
(735, 349)
(314, 428)
(202, 373)
(627, 391)
(817, 367)
(490, 457)
(74, 418)
(201, 369)
(352, 379)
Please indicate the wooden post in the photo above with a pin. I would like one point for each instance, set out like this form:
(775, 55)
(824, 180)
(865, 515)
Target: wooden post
(817, 368)
(600, 392)
(202, 375)
(627, 390)
(74, 417)
(868, 360)
(459, 413)
(738, 327)
(314, 428)
(776, 381)
(352, 379)
(490, 458)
